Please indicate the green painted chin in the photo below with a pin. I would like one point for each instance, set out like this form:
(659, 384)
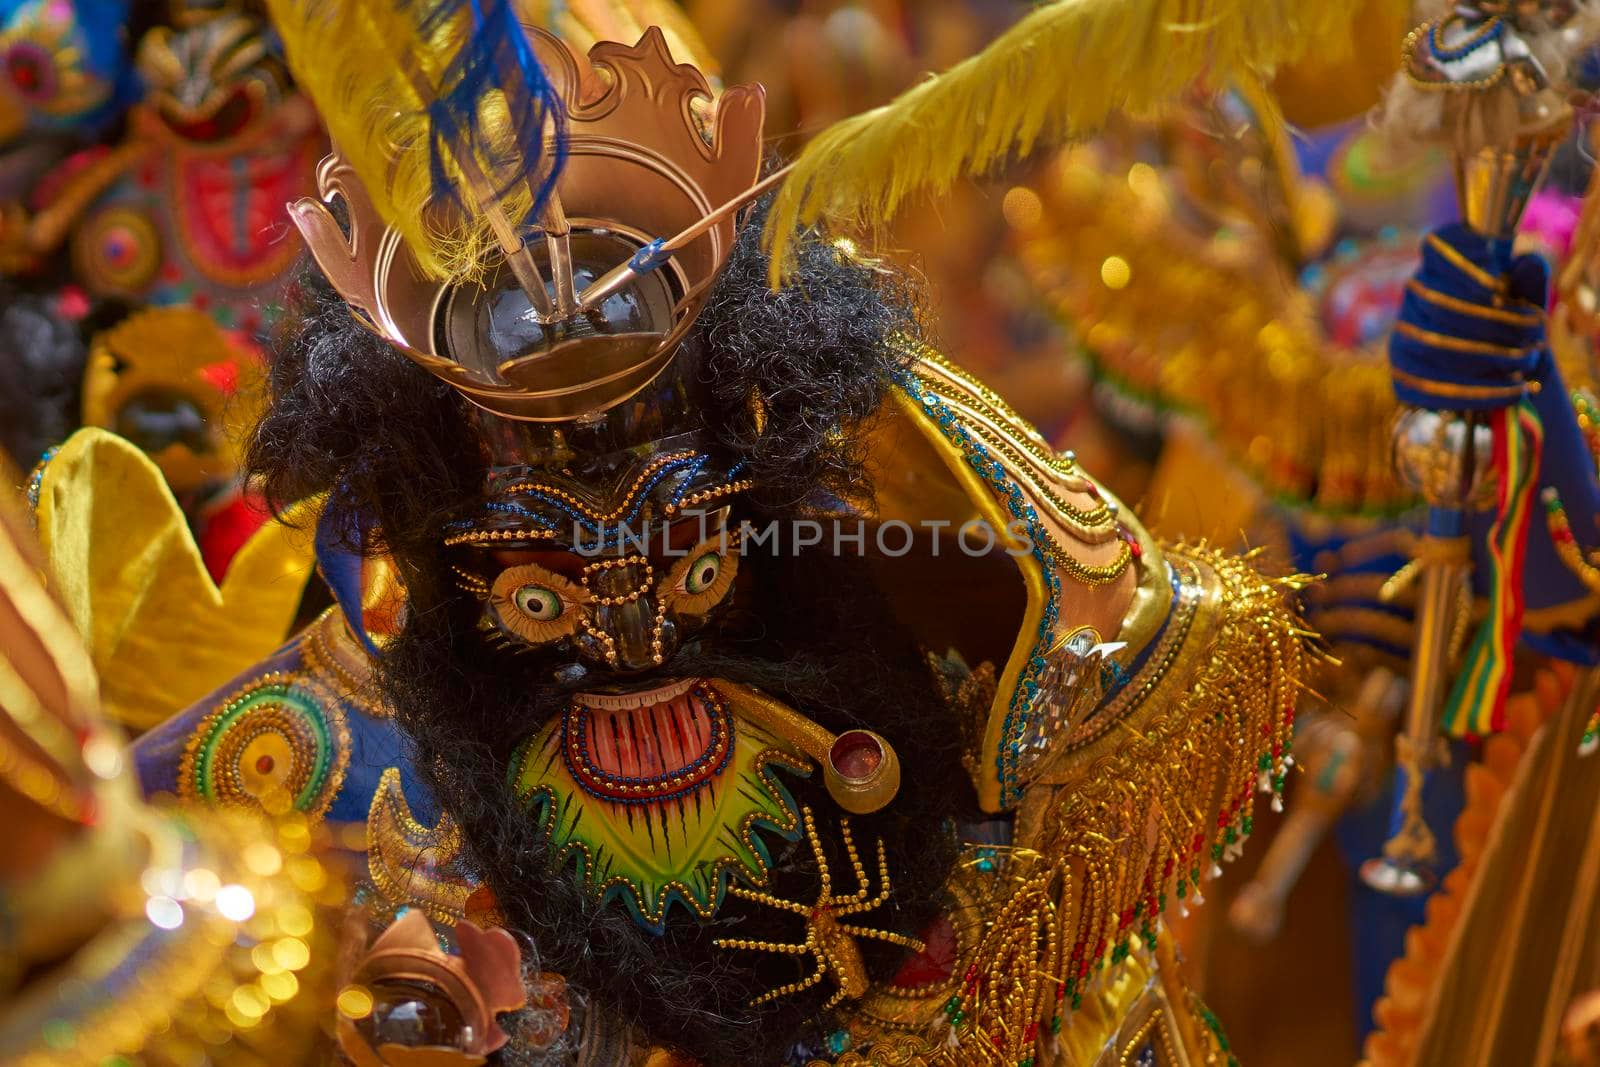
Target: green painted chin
(660, 803)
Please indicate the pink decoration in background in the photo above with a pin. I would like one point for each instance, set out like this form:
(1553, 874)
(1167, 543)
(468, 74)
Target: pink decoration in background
(1551, 220)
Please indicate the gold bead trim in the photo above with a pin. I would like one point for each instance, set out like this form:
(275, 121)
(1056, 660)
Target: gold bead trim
(270, 717)
(405, 859)
(611, 564)
(1090, 574)
(478, 537)
(829, 942)
(328, 651)
(715, 492)
(587, 509)
(472, 583)
(1408, 52)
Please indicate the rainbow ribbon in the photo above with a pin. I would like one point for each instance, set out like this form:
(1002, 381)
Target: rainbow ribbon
(1477, 701)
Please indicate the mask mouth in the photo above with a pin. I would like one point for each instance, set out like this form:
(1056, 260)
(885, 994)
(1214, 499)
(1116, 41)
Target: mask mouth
(617, 698)
(677, 730)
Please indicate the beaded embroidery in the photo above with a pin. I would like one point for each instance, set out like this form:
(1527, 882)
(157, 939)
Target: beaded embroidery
(283, 732)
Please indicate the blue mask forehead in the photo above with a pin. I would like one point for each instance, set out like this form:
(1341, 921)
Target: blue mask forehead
(579, 506)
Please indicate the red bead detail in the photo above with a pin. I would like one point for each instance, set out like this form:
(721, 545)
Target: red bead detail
(264, 765)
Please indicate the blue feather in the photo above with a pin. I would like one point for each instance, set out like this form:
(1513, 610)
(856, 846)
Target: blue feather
(494, 55)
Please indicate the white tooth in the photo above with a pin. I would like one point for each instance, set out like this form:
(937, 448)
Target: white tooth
(625, 701)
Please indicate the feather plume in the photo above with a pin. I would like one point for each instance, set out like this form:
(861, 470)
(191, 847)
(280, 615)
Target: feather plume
(441, 108)
(1057, 74)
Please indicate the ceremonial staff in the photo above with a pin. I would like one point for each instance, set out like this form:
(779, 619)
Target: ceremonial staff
(1488, 80)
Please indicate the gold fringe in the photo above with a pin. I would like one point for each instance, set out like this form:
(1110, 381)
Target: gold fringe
(1178, 796)
(1134, 832)
(1057, 74)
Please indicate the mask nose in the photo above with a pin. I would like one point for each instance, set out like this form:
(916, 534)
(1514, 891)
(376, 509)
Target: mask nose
(630, 631)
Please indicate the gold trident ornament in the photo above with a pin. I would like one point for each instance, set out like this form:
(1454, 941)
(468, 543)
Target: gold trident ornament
(830, 941)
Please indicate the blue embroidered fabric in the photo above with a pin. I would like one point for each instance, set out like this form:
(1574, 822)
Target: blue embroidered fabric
(1430, 370)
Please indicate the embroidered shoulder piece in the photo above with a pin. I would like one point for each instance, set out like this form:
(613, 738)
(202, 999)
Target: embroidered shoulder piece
(1087, 565)
(278, 742)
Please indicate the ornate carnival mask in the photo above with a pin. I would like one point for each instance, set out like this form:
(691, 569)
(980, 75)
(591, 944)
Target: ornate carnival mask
(214, 78)
(172, 382)
(605, 540)
(609, 563)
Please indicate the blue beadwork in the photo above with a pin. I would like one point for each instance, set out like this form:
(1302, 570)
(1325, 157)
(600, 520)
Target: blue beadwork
(1449, 55)
(36, 479)
(1019, 712)
(607, 534)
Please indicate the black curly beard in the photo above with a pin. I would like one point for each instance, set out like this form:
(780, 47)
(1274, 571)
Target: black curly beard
(813, 632)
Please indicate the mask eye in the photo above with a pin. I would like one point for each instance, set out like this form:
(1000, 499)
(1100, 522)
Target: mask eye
(535, 604)
(703, 572)
(538, 602)
(699, 582)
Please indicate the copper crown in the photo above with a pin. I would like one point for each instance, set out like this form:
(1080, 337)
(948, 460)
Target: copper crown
(595, 303)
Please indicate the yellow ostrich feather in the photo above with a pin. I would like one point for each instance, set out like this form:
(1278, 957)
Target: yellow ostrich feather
(1057, 74)
(370, 73)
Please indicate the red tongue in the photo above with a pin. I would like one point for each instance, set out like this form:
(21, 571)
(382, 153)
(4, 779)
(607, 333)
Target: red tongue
(695, 723)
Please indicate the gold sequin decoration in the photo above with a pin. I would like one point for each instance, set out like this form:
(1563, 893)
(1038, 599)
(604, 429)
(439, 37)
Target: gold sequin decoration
(332, 655)
(240, 977)
(282, 734)
(412, 865)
